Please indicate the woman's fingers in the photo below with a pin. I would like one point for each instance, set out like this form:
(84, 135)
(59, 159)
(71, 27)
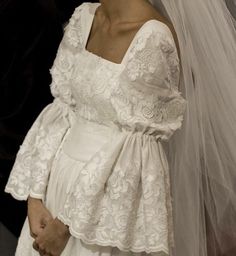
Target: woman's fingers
(35, 230)
(47, 218)
(33, 235)
(42, 251)
(35, 246)
(53, 239)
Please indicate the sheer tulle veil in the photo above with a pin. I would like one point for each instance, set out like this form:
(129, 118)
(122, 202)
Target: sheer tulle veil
(202, 154)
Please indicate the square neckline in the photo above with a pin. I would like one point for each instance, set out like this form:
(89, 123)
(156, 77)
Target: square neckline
(92, 15)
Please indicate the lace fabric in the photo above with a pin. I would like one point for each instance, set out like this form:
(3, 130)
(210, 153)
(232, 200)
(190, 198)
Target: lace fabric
(31, 170)
(122, 196)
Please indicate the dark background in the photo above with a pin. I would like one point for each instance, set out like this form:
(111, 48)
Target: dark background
(31, 31)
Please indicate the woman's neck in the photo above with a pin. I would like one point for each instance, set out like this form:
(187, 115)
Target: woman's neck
(117, 11)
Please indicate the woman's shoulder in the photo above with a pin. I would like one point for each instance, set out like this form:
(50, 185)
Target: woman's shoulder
(157, 33)
(88, 6)
(160, 25)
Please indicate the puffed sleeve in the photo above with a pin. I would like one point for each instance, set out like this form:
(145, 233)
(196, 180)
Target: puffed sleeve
(150, 101)
(34, 160)
(122, 195)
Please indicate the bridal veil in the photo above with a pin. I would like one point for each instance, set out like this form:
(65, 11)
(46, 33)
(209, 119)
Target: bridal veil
(202, 155)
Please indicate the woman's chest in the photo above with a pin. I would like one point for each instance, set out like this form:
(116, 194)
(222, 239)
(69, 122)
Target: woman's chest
(111, 45)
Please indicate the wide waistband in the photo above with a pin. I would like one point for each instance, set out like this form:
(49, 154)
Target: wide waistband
(85, 138)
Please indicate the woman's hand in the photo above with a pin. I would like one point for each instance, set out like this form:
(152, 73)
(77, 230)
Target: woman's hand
(53, 239)
(38, 216)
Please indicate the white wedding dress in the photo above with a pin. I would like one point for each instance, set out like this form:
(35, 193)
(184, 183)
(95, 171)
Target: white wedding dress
(95, 155)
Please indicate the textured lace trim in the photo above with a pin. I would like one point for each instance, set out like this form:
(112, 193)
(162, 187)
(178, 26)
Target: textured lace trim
(158, 249)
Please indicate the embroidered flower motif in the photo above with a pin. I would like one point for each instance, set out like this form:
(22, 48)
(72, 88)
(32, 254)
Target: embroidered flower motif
(148, 111)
